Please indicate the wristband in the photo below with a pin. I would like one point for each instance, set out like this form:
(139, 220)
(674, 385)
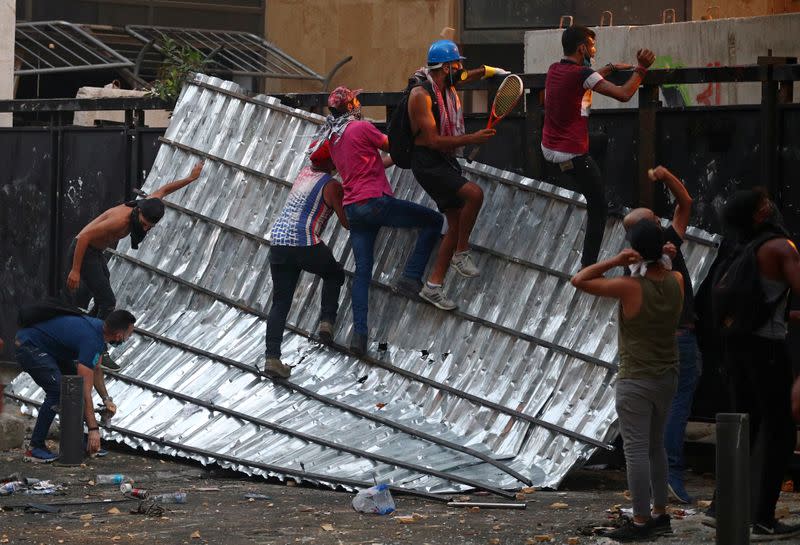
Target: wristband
(641, 70)
(96, 428)
(109, 398)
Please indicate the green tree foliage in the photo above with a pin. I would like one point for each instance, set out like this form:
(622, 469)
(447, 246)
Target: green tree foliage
(179, 66)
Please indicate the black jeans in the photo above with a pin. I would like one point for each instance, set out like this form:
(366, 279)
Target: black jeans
(46, 373)
(95, 282)
(285, 264)
(585, 178)
(761, 381)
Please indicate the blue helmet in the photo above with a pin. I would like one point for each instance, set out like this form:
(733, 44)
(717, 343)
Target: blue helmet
(443, 51)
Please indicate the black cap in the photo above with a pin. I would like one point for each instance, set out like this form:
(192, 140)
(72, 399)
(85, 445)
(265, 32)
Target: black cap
(152, 209)
(647, 238)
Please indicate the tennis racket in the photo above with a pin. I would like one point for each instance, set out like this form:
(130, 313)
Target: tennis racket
(508, 94)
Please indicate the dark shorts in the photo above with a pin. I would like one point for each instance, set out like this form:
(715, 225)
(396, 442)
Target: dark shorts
(440, 177)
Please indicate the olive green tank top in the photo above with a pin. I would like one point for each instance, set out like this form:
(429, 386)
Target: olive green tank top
(647, 343)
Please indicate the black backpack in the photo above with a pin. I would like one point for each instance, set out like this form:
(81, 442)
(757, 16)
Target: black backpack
(738, 303)
(46, 309)
(398, 129)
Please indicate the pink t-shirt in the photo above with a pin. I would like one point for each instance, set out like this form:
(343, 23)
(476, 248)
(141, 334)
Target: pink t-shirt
(359, 163)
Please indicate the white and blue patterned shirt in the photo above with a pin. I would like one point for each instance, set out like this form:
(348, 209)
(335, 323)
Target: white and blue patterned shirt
(305, 213)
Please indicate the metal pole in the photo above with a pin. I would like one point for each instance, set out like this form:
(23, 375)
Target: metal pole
(733, 479)
(648, 108)
(71, 420)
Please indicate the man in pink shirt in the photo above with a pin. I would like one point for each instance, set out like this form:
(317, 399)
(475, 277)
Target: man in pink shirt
(369, 204)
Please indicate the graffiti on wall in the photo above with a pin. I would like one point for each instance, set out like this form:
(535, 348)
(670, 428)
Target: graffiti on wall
(679, 94)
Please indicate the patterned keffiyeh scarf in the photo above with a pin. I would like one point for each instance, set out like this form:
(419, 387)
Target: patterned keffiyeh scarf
(451, 117)
(640, 269)
(333, 127)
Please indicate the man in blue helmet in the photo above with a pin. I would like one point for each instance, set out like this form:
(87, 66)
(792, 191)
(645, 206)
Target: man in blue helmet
(437, 121)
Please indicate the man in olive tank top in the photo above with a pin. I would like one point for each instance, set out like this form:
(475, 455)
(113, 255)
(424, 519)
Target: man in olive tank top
(651, 300)
(689, 356)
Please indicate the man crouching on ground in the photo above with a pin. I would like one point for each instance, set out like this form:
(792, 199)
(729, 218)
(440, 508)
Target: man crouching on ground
(69, 344)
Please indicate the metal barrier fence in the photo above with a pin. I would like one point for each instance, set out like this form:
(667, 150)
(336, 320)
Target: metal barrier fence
(59, 177)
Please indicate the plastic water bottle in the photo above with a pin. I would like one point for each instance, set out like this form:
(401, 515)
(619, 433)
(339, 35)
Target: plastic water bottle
(10, 487)
(172, 497)
(116, 478)
(377, 499)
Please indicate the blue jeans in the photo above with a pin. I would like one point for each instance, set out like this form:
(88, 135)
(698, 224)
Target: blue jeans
(689, 373)
(366, 218)
(44, 370)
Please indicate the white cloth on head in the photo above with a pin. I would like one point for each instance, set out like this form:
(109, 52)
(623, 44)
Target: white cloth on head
(640, 269)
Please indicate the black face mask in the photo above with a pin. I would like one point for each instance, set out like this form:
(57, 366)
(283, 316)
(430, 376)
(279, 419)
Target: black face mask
(137, 231)
(456, 76)
(115, 343)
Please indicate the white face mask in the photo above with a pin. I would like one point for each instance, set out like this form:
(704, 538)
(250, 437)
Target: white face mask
(640, 269)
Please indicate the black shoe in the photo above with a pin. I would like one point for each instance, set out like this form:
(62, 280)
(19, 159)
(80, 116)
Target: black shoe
(410, 287)
(710, 517)
(358, 344)
(632, 532)
(325, 331)
(108, 363)
(661, 525)
(776, 530)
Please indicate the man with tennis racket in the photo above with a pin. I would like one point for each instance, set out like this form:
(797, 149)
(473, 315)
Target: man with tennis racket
(437, 123)
(565, 138)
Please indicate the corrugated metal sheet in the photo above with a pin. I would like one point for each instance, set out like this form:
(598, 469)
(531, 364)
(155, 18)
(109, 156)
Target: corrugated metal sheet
(522, 375)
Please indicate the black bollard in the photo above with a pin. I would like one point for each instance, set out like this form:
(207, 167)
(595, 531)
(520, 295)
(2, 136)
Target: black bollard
(71, 420)
(732, 500)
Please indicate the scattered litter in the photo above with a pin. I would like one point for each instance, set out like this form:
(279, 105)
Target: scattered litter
(115, 478)
(474, 509)
(328, 527)
(559, 505)
(306, 509)
(497, 527)
(376, 499)
(255, 496)
(380, 405)
(703, 504)
(542, 538)
(487, 505)
(172, 497)
(195, 534)
(291, 483)
(149, 508)
(528, 490)
(462, 498)
(207, 489)
(114, 511)
(573, 540)
(521, 496)
(408, 519)
(494, 541)
(87, 516)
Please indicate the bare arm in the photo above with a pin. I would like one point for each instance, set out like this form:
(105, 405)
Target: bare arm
(791, 265)
(174, 186)
(333, 195)
(421, 114)
(683, 208)
(624, 92)
(590, 280)
(87, 373)
(610, 68)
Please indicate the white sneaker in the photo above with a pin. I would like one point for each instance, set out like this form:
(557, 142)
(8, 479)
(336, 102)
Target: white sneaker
(463, 264)
(436, 297)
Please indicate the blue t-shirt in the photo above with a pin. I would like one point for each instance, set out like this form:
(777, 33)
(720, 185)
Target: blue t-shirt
(68, 338)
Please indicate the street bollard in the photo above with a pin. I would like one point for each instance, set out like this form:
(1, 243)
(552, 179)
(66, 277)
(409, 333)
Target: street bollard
(732, 500)
(71, 420)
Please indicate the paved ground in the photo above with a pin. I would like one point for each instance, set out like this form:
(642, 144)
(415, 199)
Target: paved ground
(218, 512)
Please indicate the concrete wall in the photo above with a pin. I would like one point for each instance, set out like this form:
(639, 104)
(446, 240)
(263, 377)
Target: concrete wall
(388, 39)
(742, 8)
(723, 42)
(7, 18)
